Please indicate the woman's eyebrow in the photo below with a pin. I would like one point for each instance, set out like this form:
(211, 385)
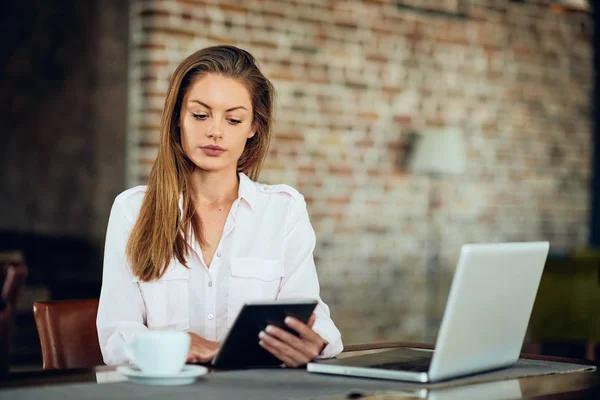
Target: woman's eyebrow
(210, 108)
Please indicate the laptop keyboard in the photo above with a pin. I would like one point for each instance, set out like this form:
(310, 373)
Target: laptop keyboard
(413, 365)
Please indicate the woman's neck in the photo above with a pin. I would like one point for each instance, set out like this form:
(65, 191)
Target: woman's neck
(214, 189)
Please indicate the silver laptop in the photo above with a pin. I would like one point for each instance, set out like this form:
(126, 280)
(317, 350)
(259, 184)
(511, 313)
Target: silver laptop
(484, 323)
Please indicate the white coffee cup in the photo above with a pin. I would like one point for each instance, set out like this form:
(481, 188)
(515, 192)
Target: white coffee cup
(159, 351)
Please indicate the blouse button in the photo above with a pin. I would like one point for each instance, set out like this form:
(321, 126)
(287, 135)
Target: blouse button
(210, 316)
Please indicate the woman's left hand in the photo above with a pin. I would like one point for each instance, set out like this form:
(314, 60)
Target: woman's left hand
(292, 350)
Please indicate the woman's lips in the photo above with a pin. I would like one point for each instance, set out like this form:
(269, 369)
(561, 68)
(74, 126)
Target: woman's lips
(212, 151)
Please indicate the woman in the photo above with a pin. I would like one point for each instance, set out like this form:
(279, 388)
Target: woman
(186, 251)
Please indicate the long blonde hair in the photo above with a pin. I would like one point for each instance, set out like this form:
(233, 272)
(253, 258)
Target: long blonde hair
(162, 229)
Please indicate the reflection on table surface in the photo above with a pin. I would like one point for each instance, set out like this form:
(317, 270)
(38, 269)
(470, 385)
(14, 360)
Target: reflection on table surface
(509, 389)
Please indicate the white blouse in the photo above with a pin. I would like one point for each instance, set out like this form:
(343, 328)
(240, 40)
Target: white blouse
(266, 252)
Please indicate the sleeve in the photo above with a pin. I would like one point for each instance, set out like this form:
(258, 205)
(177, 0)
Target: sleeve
(301, 279)
(121, 311)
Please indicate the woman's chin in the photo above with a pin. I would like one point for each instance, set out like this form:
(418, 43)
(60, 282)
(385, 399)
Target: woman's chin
(213, 167)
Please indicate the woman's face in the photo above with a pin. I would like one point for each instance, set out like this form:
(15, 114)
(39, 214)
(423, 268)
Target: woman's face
(215, 122)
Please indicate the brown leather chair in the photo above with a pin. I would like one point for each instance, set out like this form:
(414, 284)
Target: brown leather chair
(68, 333)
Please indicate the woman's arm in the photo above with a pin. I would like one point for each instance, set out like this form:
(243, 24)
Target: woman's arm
(301, 279)
(121, 312)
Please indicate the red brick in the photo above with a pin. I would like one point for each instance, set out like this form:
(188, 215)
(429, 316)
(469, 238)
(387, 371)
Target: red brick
(192, 3)
(150, 93)
(154, 63)
(365, 143)
(338, 201)
(368, 115)
(281, 75)
(319, 79)
(231, 8)
(215, 40)
(148, 78)
(289, 137)
(145, 144)
(403, 119)
(146, 161)
(173, 32)
(273, 12)
(263, 44)
(385, 30)
(307, 170)
(346, 25)
(392, 90)
(149, 46)
(340, 170)
(435, 122)
(149, 127)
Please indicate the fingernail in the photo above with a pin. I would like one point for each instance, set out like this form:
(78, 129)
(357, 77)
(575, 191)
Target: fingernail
(288, 320)
(261, 334)
(269, 328)
(261, 343)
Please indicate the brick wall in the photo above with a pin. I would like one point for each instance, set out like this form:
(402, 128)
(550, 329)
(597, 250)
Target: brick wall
(354, 80)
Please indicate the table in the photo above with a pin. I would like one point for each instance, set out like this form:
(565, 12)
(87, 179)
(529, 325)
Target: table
(564, 386)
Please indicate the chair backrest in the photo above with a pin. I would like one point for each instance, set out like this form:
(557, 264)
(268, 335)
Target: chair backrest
(13, 274)
(68, 334)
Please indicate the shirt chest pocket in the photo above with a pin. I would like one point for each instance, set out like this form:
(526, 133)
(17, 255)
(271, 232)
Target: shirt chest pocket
(252, 279)
(167, 299)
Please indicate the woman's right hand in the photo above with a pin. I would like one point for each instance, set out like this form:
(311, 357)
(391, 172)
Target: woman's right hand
(201, 350)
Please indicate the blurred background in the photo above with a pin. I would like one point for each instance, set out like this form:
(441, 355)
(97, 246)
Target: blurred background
(411, 127)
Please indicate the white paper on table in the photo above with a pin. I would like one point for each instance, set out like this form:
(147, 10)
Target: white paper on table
(109, 377)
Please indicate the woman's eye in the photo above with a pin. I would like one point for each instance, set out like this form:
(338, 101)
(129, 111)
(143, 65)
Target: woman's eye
(200, 117)
(234, 121)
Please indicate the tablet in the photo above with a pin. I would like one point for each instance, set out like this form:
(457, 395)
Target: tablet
(240, 349)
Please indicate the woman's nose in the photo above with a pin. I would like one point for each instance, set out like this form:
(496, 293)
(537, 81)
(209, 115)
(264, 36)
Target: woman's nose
(215, 130)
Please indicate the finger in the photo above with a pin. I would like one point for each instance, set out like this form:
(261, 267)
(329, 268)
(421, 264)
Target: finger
(287, 361)
(277, 353)
(310, 350)
(303, 330)
(286, 337)
(311, 320)
(206, 356)
(201, 354)
(307, 334)
(196, 360)
(284, 348)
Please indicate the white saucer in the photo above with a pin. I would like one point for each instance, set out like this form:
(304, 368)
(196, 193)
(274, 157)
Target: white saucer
(187, 375)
